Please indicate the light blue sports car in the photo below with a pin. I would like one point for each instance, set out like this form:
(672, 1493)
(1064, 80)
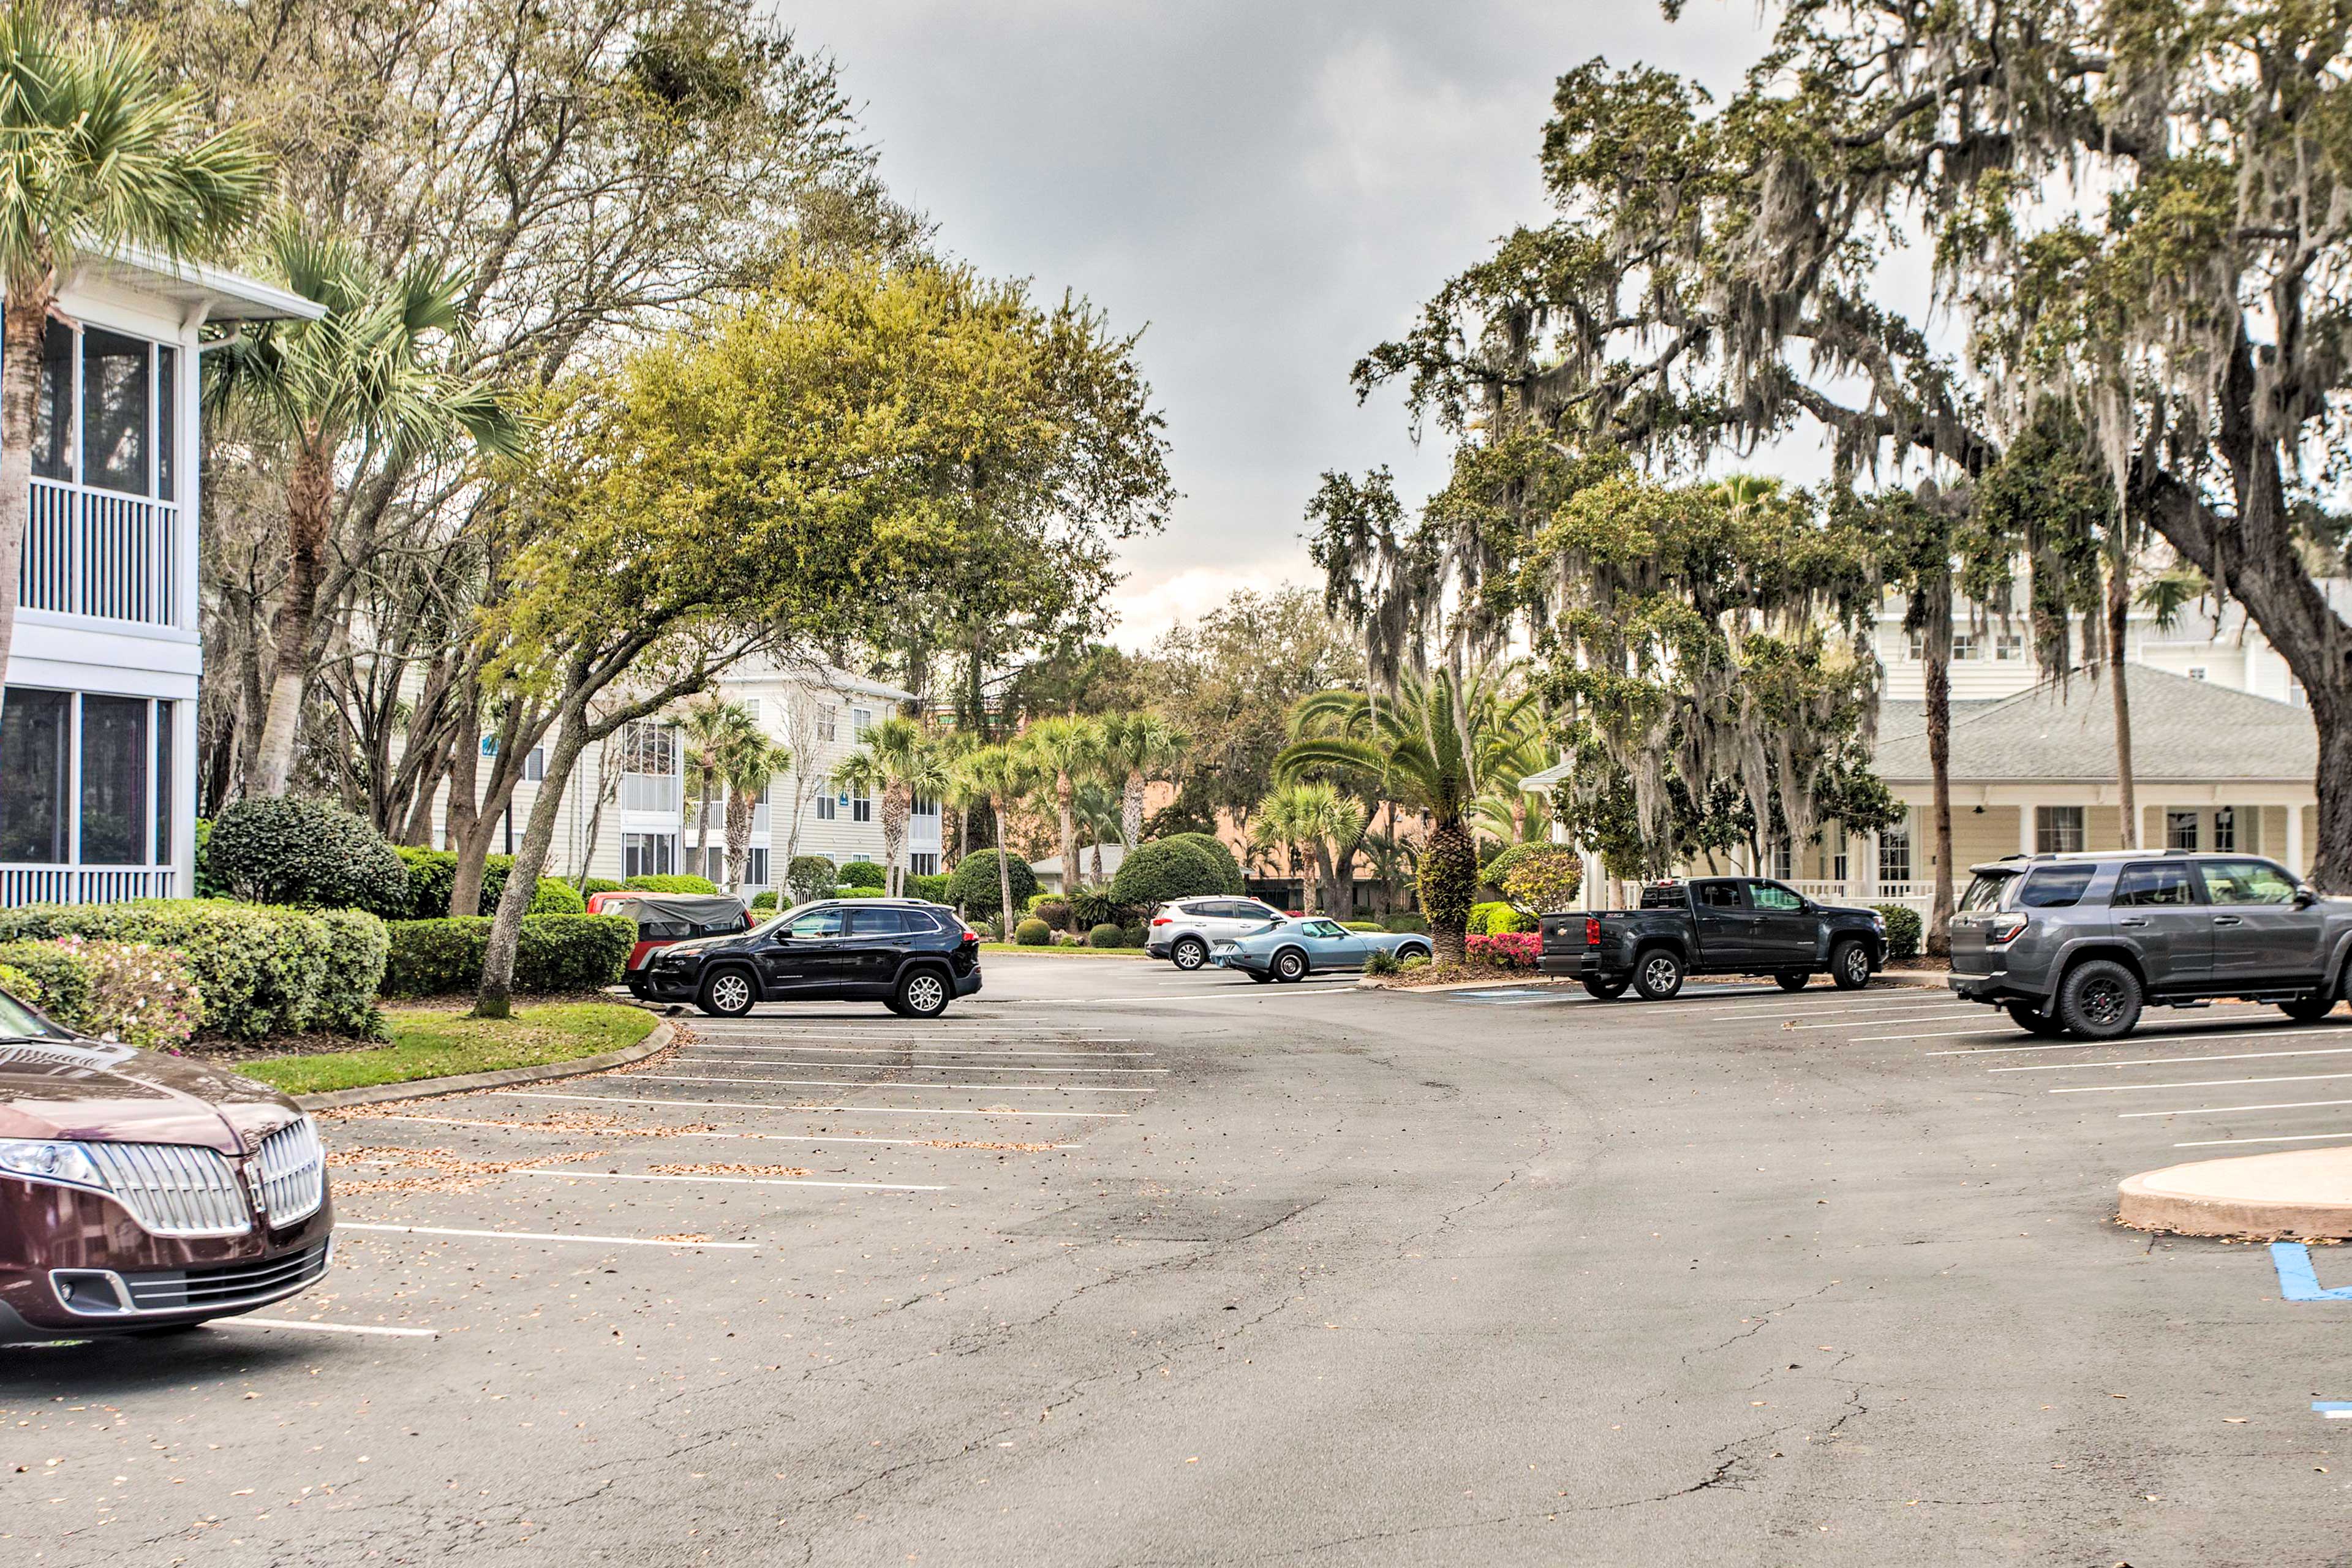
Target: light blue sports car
(1292, 949)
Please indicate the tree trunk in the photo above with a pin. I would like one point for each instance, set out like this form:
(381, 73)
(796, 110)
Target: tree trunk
(1065, 791)
(739, 809)
(1094, 854)
(702, 824)
(495, 997)
(22, 330)
(1325, 880)
(2118, 619)
(895, 809)
(309, 507)
(1130, 811)
(1939, 704)
(1003, 873)
(1448, 879)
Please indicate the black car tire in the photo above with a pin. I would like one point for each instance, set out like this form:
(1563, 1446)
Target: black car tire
(1604, 990)
(2100, 1000)
(2309, 1009)
(923, 993)
(1850, 965)
(1793, 979)
(727, 993)
(1658, 975)
(2028, 1017)
(1411, 950)
(1290, 966)
(1189, 953)
(1260, 975)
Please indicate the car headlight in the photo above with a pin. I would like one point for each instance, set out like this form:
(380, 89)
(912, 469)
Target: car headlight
(59, 1164)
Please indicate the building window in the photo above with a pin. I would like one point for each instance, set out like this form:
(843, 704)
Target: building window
(751, 706)
(53, 406)
(1965, 647)
(2058, 829)
(2225, 827)
(115, 412)
(1782, 859)
(755, 868)
(114, 757)
(649, 854)
(1895, 855)
(861, 806)
(162, 783)
(2180, 830)
(2010, 647)
(923, 865)
(36, 775)
(926, 807)
(826, 715)
(84, 780)
(648, 746)
(534, 766)
(2195, 672)
(860, 720)
(825, 808)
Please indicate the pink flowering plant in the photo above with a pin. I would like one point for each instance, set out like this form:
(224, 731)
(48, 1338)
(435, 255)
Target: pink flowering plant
(1514, 950)
(138, 995)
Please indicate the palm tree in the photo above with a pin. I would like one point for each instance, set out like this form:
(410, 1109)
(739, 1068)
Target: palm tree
(1312, 820)
(750, 760)
(899, 761)
(97, 154)
(1138, 748)
(1429, 748)
(711, 729)
(1068, 750)
(995, 776)
(1098, 809)
(368, 371)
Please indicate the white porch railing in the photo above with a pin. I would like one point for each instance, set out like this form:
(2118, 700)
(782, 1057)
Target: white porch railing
(94, 552)
(83, 884)
(650, 791)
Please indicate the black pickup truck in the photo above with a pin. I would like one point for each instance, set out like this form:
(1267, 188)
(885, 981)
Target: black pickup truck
(1714, 925)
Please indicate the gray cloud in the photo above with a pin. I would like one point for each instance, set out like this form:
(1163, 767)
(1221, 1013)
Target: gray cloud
(1272, 188)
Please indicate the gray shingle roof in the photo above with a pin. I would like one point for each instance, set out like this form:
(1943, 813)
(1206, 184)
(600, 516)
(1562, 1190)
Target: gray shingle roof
(2182, 730)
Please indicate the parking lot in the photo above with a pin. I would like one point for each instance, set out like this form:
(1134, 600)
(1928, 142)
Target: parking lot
(1115, 1265)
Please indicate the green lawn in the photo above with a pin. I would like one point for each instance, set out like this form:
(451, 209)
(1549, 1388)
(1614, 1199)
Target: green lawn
(433, 1040)
(1063, 952)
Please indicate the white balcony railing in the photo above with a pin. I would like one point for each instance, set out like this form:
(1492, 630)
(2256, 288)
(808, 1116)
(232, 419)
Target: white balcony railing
(95, 553)
(83, 884)
(650, 791)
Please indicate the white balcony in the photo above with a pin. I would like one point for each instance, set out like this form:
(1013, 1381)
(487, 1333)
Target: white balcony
(99, 554)
(651, 792)
(84, 884)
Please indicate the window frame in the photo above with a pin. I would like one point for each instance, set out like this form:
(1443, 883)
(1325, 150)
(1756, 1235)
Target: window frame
(2049, 822)
(154, 821)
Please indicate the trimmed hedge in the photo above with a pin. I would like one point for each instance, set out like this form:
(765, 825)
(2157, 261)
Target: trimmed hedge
(863, 874)
(270, 849)
(589, 886)
(667, 884)
(1168, 868)
(54, 980)
(554, 898)
(1363, 925)
(260, 969)
(1904, 930)
(1399, 924)
(932, 889)
(811, 877)
(1107, 935)
(554, 954)
(1033, 932)
(766, 900)
(972, 885)
(1214, 847)
(1500, 919)
(860, 893)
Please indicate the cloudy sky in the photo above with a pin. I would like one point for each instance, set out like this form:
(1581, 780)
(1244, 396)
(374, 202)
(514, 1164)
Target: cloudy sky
(1268, 186)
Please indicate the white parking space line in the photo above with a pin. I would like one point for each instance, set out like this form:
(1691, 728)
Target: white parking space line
(874, 1083)
(2228, 1110)
(2178, 1037)
(547, 1235)
(1879, 1023)
(732, 1181)
(681, 1132)
(761, 1105)
(326, 1328)
(1999, 1050)
(701, 1057)
(2196, 1083)
(2174, 1061)
(1830, 1001)
(2291, 1138)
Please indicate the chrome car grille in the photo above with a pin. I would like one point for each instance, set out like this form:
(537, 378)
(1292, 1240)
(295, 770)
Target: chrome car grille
(228, 1284)
(291, 1172)
(174, 1189)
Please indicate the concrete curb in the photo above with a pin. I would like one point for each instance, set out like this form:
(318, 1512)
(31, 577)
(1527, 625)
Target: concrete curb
(2302, 1195)
(425, 1088)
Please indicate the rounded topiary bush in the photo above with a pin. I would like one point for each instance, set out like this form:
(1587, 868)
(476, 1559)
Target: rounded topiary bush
(1168, 869)
(863, 874)
(1214, 847)
(281, 850)
(1132, 936)
(972, 887)
(557, 897)
(766, 900)
(1904, 930)
(658, 884)
(811, 877)
(1055, 912)
(1033, 932)
(1538, 879)
(1106, 935)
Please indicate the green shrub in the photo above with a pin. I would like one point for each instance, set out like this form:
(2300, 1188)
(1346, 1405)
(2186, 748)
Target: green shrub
(1540, 878)
(1215, 848)
(811, 877)
(1500, 919)
(431, 873)
(859, 893)
(1033, 932)
(1381, 963)
(1168, 868)
(208, 885)
(766, 900)
(1134, 936)
(1363, 925)
(1092, 907)
(554, 898)
(48, 976)
(552, 953)
(863, 874)
(1904, 930)
(932, 889)
(281, 850)
(1400, 924)
(260, 970)
(138, 993)
(1107, 935)
(972, 885)
(358, 944)
(1054, 912)
(591, 886)
(1418, 961)
(667, 884)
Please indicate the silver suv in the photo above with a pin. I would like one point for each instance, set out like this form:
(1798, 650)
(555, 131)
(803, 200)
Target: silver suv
(1186, 928)
(2078, 945)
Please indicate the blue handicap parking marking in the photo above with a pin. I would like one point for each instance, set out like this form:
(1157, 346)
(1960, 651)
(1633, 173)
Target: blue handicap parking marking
(1515, 997)
(2298, 1282)
(2333, 1409)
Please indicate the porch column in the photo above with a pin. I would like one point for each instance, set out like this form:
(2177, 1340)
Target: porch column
(1869, 878)
(2025, 830)
(2294, 840)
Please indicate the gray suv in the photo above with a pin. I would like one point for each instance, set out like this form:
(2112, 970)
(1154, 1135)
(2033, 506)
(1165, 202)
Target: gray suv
(2078, 944)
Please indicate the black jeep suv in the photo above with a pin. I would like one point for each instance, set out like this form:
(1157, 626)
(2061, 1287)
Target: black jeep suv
(911, 956)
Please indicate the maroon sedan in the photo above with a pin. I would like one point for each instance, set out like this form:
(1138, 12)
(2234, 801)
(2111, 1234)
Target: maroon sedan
(140, 1193)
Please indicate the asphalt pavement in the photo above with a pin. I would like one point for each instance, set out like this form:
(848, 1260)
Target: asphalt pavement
(1115, 1266)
